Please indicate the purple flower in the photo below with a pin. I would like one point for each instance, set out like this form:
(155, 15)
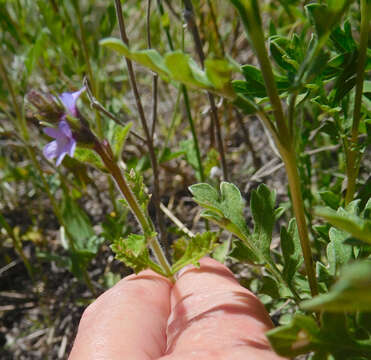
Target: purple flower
(69, 101)
(64, 142)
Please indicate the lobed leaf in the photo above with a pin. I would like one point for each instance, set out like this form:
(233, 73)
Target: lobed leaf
(134, 253)
(197, 247)
(291, 250)
(262, 209)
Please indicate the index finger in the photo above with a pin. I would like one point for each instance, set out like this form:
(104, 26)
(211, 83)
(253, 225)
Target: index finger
(213, 317)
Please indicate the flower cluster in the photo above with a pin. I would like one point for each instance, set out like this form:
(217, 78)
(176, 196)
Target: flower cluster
(64, 142)
(58, 110)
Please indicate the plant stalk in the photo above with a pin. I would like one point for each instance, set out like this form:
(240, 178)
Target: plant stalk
(289, 159)
(190, 18)
(149, 139)
(250, 16)
(186, 101)
(353, 155)
(125, 190)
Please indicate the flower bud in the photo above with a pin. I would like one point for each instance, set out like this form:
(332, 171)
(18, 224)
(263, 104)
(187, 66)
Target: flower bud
(48, 108)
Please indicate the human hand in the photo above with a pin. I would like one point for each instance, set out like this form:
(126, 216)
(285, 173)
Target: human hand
(205, 315)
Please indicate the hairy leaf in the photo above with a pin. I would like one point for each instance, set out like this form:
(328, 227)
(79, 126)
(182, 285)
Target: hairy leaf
(197, 247)
(291, 250)
(134, 253)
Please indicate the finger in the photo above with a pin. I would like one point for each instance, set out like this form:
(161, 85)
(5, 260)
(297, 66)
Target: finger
(126, 322)
(213, 317)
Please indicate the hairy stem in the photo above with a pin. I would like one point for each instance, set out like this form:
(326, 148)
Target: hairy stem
(289, 158)
(146, 225)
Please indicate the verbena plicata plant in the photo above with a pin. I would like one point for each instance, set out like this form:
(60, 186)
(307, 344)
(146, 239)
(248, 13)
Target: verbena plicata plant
(309, 86)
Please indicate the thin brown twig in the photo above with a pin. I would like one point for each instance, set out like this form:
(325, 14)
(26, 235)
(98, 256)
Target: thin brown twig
(255, 158)
(151, 150)
(190, 19)
(94, 103)
(155, 76)
(172, 10)
(215, 24)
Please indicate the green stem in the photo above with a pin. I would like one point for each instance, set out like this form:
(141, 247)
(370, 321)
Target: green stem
(269, 264)
(250, 16)
(289, 158)
(142, 219)
(353, 154)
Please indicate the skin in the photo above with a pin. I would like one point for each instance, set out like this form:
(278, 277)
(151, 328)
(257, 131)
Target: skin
(205, 315)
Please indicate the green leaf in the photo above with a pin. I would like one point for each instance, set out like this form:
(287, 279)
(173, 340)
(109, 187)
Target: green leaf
(291, 250)
(232, 205)
(221, 251)
(302, 335)
(178, 66)
(343, 38)
(119, 137)
(325, 16)
(330, 199)
(253, 86)
(83, 244)
(197, 248)
(242, 253)
(262, 208)
(248, 106)
(134, 253)
(288, 54)
(137, 186)
(89, 156)
(167, 155)
(149, 58)
(295, 338)
(352, 292)
(347, 221)
(219, 73)
(206, 196)
(183, 69)
(338, 253)
(77, 223)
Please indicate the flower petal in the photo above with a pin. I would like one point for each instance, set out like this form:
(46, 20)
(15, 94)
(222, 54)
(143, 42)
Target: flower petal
(69, 100)
(64, 129)
(52, 132)
(60, 158)
(50, 150)
(72, 147)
